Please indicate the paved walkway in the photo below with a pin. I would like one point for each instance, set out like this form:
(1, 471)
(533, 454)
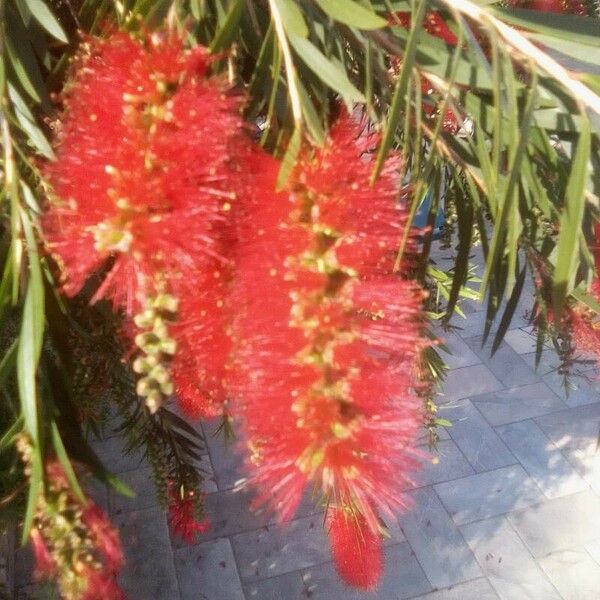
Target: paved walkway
(511, 511)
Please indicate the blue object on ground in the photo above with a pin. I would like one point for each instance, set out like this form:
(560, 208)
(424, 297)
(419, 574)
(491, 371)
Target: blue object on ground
(420, 219)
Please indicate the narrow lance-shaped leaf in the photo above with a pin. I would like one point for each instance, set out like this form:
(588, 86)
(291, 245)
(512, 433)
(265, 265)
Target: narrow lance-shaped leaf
(570, 222)
(31, 334)
(327, 71)
(351, 13)
(46, 19)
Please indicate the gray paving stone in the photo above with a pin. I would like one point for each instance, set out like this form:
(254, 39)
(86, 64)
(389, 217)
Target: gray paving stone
(557, 524)
(272, 551)
(208, 571)
(475, 437)
(574, 574)
(141, 482)
(488, 494)
(474, 325)
(149, 572)
(402, 578)
(423, 435)
(573, 429)
(436, 541)
(112, 453)
(230, 513)
(506, 562)
(478, 589)
(98, 492)
(541, 459)
(467, 382)
(448, 463)
(516, 404)
(284, 587)
(520, 341)
(226, 456)
(593, 549)
(460, 354)
(580, 388)
(506, 364)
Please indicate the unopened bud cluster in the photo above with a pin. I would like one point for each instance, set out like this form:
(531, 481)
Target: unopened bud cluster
(157, 348)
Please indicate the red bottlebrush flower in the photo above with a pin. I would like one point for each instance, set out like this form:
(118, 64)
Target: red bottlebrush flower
(102, 585)
(105, 537)
(45, 566)
(328, 336)
(356, 549)
(150, 165)
(182, 518)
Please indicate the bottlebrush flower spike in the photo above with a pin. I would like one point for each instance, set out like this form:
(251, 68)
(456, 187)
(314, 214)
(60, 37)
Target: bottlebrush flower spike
(73, 544)
(329, 336)
(148, 170)
(182, 515)
(356, 550)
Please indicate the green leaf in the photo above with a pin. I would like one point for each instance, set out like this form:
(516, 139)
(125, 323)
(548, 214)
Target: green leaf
(570, 221)
(46, 19)
(292, 18)
(62, 456)
(35, 487)
(289, 159)
(399, 98)
(9, 437)
(31, 334)
(328, 72)
(351, 13)
(569, 27)
(230, 28)
(27, 122)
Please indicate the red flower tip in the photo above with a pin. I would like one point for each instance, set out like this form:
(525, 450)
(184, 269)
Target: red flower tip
(181, 516)
(357, 551)
(45, 567)
(105, 537)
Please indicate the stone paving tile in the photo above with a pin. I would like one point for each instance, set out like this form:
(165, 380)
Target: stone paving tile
(230, 513)
(505, 364)
(581, 388)
(448, 463)
(208, 572)
(541, 459)
(506, 562)
(271, 551)
(475, 323)
(574, 574)
(521, 341)
(284, 587)
(111, 452)
(593, 549)
(436, 541)
(488, 494)
(475, 437)
(573, 429)
(141, 482)
(225, 456)
(149, 572)
(403, 578)
(466, 382)
(516, 404)
(478, 589)
(460, 354)
(557, 524)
